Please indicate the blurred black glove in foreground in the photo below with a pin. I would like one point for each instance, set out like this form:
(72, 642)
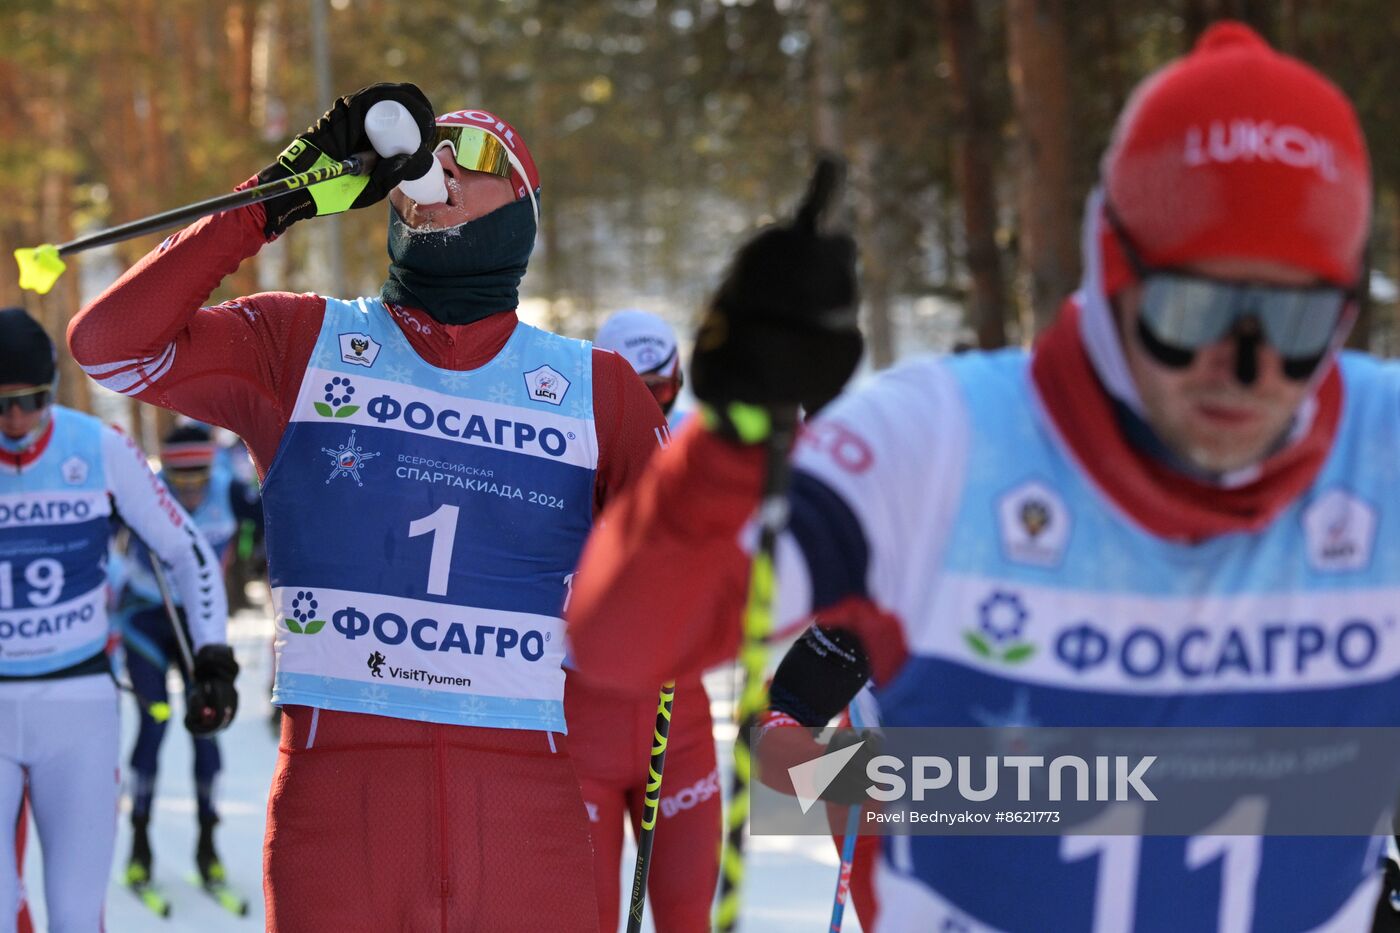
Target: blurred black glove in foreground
(781, 330)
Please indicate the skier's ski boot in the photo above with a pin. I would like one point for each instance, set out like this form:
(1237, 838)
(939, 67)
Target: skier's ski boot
(138, 869)
(138, 866)
(211, 870)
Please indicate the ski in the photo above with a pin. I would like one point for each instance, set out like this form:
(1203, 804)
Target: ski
(141, 885)
(217, 887)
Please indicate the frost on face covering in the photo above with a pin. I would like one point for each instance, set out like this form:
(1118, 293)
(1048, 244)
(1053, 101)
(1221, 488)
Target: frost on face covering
(465, 272)
(454, 197)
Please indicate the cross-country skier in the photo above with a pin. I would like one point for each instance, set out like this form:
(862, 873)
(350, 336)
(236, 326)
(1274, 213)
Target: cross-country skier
(1186, 460)
(611, 736)
(431, 468)
(649, 344)
(208, 492)
(64, 477)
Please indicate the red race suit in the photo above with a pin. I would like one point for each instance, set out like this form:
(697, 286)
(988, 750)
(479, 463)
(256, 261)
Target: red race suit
(372, 821)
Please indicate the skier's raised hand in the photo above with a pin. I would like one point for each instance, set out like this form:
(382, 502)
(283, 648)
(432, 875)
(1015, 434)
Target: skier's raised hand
(781, 330)
(339, 134)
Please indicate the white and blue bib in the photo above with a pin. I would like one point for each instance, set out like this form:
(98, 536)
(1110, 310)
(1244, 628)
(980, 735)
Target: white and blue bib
(55, 519)
(1027, 598)
(423, 525)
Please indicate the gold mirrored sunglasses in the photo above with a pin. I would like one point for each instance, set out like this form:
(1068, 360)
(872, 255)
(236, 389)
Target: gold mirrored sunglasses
(475, 149)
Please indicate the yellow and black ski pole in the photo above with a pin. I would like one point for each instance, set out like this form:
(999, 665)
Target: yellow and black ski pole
(40, 266)
(753, 656)
(776, 425)
(651, 804)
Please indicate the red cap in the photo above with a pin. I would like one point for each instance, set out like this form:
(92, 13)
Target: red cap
(524, 177)
(1238, 151)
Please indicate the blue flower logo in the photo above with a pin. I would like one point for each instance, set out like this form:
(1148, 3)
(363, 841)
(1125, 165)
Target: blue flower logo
(337, 395)
(304, 607)
(1001, 617)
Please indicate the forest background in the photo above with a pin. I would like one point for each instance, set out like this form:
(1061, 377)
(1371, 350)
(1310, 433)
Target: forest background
(664, 131)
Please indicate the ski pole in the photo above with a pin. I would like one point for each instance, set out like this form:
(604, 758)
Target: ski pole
(848, 857)
(181, 640)
(40, 266)
(758, 623)
(781, 423)
(650, 805)
(848, 852)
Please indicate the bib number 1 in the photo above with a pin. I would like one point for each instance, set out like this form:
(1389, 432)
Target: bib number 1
(442, 525)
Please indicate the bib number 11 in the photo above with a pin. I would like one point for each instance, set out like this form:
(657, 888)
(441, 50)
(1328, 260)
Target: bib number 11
(1234, 841)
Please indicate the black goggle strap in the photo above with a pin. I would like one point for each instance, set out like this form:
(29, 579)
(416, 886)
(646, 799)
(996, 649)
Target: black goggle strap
(1125, 242)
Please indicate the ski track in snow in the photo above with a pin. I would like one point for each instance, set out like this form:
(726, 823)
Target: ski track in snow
(788, 885)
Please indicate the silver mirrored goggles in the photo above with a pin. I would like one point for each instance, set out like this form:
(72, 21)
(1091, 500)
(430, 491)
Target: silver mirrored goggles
(1189, 312)
(1181, 312)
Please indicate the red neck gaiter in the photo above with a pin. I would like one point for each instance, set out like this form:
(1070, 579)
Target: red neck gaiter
(20, 460)
(1166, 502)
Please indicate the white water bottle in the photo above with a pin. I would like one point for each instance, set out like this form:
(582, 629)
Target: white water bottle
(392, 132)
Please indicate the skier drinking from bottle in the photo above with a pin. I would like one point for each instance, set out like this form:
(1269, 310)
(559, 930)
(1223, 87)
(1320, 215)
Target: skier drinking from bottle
(431, 467)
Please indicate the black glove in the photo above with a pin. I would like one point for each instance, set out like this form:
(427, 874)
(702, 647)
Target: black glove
(339, 134)
(819, 676)
(212, 700)
(781, 331)
(849, 786)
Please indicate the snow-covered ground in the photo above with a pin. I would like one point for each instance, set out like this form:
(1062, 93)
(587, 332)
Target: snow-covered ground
(789, 881)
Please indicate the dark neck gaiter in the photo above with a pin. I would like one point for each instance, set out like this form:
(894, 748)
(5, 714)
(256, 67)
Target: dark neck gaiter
(464, 273)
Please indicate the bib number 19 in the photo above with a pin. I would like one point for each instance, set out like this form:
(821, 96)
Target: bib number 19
(45, 579)
(44, 576)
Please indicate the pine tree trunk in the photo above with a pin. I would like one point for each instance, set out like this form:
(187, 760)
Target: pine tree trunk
(828, 131)
(974, 158)
(1036, 61)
